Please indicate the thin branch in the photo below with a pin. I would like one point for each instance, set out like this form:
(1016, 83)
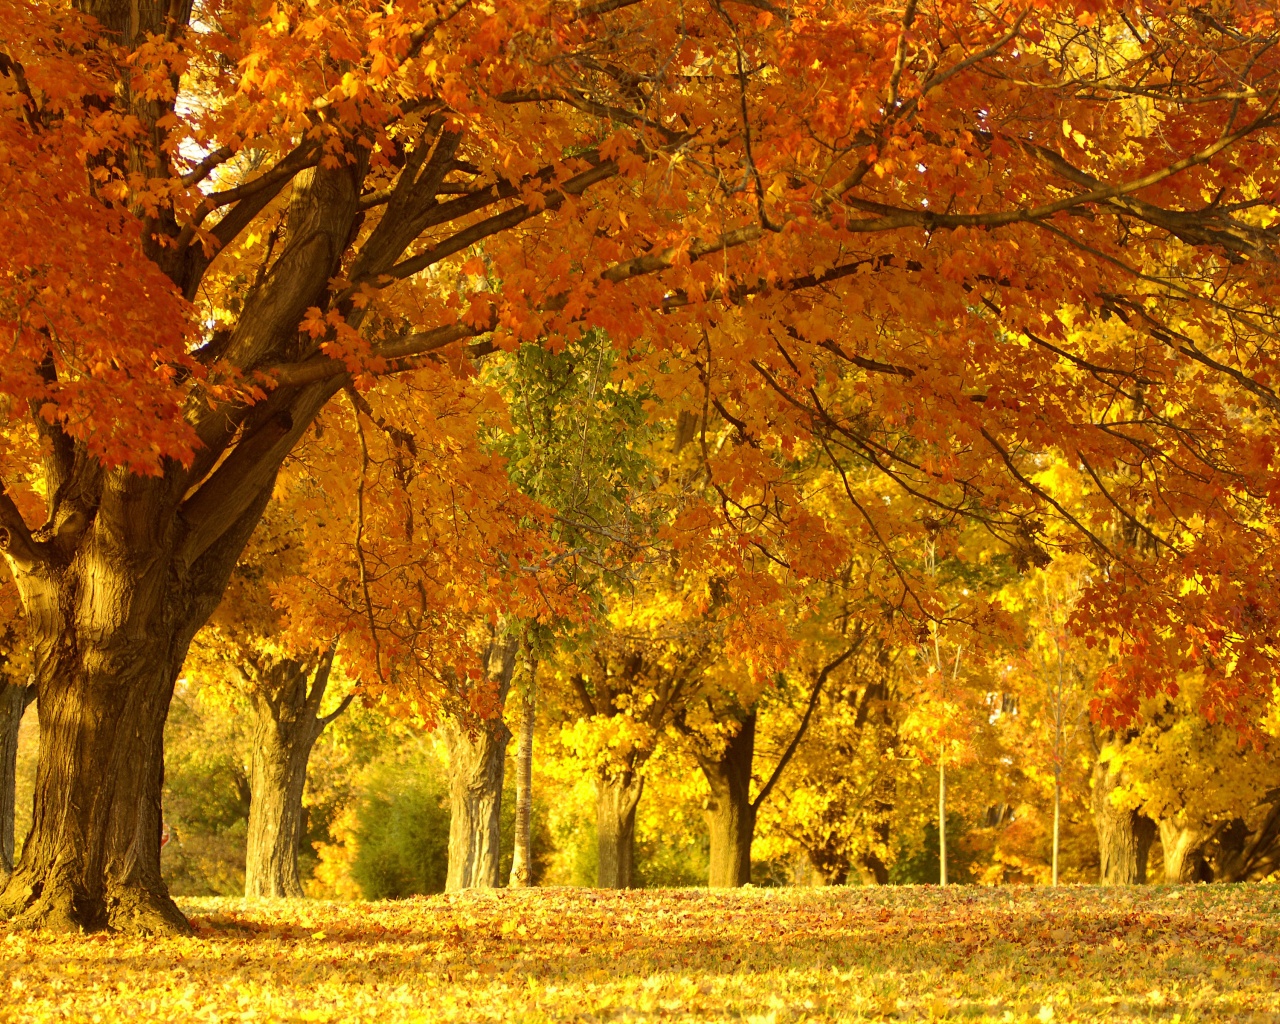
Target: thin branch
(16, 542)
(818, 684)
(360, 558)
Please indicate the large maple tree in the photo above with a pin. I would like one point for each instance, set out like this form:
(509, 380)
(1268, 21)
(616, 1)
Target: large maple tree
(935, 239)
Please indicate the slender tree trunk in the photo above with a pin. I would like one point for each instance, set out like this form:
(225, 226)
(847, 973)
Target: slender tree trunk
(13, 702)
(1183, 853)
(286, 726)
(942, 818)
(477, 763)
(1124, 836)
(1057, 819)
(731, 817)
(617, 797)
(521, 855)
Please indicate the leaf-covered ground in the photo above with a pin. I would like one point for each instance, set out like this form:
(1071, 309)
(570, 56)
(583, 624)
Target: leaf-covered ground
(1190, 954)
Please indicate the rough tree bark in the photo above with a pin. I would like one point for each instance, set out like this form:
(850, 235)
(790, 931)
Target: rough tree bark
(286, 726)
(477, 762)
(111, 605)
(1183, 853)
(14, 700)
(617, 797)
(521, 854)
(1124, 836)
(731, 816)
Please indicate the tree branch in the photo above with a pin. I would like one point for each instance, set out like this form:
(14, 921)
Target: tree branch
(16, 542)
(787, 754)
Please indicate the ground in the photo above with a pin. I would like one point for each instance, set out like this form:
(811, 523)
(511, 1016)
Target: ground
(758, 955)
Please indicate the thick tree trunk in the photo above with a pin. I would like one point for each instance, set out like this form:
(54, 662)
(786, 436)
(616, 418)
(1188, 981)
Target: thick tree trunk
(476, 766)
(731, 817)
(521, 855)
(112, 602)
(1183, 854)
(92, 859)
(1124, 836)
(287, 725)
(477, 763)
(617, 797)
(13, 702)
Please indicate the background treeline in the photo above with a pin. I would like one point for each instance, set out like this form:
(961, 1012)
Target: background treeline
(851, 809)
(658, 721)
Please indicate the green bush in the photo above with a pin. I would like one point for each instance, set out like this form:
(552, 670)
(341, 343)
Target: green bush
(917, 863)
(402, 827)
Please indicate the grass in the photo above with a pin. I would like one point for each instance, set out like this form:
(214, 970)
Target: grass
(758, 955)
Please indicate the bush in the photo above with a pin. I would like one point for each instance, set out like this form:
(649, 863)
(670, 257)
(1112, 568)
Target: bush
(917, 863)
(401, 831)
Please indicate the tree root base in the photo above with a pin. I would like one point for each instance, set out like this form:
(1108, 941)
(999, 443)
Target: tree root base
(58, 907)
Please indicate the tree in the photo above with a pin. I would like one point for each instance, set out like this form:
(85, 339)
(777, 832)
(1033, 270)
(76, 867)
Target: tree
(839, 804)
(1050, 677)
(522, 850)
(477, 747)
(846, 227)
(261, 641)
(1213, 799)
(644, 661)
(287, 695)
(721, 734)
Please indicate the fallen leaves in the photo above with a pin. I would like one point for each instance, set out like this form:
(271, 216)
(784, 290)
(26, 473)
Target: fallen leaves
(779, 955)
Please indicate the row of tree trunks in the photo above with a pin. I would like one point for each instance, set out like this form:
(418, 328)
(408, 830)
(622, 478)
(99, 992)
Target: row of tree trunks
(477, 764)
(13, 702)
(287, 722)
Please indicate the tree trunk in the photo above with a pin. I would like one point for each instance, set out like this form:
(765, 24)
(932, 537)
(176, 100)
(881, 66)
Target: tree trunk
(1124, 836)
(92, 859)
(617, 797)
(731, 817)
(286, 727)
(477, 762)
(874, 870)
(13, 702)
(1183, 853)
(521, 855)
(112, 599)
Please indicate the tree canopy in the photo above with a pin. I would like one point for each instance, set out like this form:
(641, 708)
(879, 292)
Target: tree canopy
(897, 276)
